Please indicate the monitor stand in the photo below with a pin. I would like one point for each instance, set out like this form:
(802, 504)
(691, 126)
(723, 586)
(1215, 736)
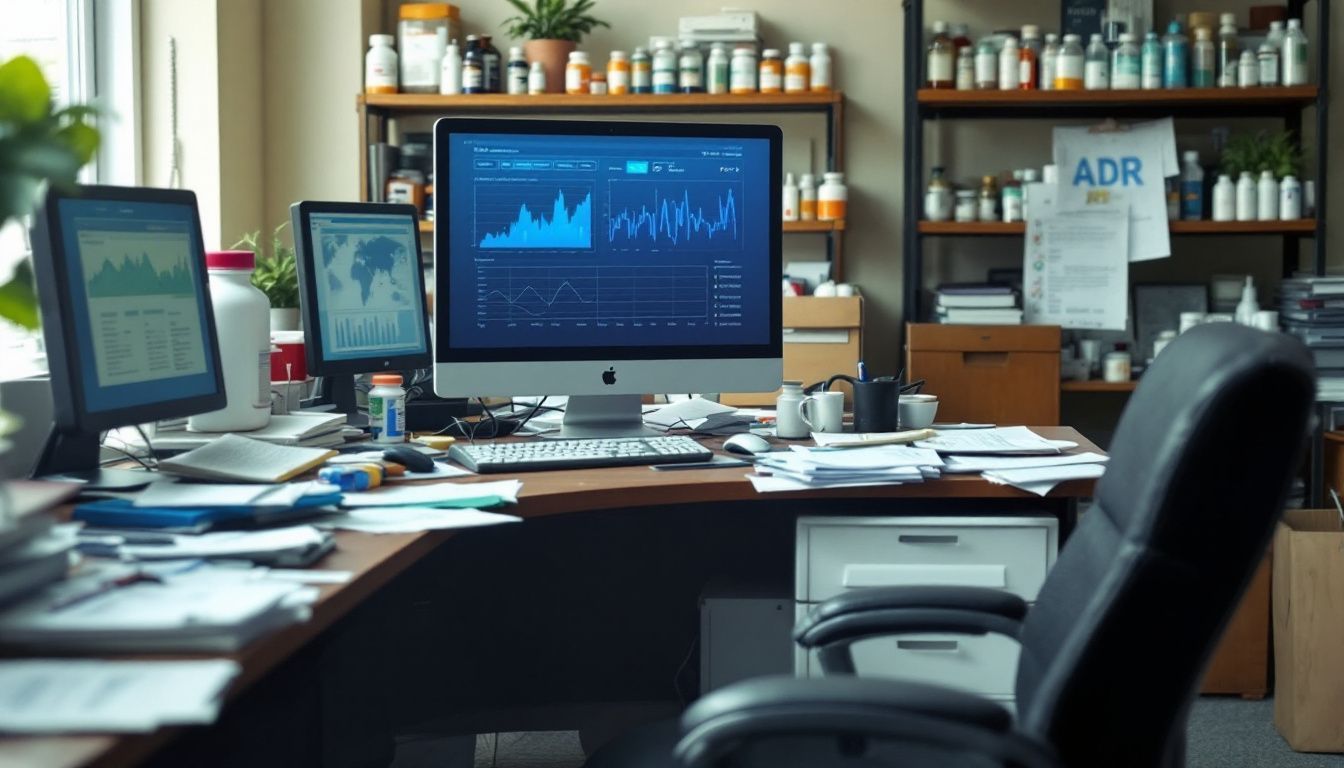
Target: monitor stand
(598, 416)
(338, 392)
(75, 456)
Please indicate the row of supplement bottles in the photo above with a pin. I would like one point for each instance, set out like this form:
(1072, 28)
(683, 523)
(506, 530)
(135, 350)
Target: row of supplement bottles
(1049, 63)
(992, 202)
(686, 70)
(1195, 196)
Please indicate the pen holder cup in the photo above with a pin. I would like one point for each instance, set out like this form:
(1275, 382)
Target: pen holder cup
(876, 406)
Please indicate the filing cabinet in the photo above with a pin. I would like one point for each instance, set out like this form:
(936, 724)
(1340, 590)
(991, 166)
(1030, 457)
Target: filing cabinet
(1013, 553)
(996, 374)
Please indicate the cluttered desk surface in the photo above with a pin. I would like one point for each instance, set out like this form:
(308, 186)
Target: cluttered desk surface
(372, 560)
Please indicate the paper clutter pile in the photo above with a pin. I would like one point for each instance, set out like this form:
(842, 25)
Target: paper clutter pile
(804, 467)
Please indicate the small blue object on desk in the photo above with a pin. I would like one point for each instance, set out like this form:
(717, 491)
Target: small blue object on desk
(122, 513)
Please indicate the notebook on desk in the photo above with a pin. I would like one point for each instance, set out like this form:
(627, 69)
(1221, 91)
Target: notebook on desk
(234, 458)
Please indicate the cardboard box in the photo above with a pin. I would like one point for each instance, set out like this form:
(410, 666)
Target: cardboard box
(822, 337)
(1308, 605)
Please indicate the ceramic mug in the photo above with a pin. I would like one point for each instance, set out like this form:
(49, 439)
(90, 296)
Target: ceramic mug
(823, 411)
(917, 411)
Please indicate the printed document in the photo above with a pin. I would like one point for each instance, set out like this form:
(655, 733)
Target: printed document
(1075, 268)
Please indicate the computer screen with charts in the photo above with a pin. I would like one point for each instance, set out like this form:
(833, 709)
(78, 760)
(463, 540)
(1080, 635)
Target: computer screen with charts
(606, 258)
(126, 313)
(362, 291)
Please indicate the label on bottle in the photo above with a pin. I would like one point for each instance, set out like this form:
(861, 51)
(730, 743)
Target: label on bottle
(1151, 75)
(641, 77)
(1175, 73)
(940, 67)
(986, 70)
(1026, 74)
(664, 81)
(772, 79)
(264, 379)
(577, 78)
(517, 80)
(1096, 76)
(421, 59)
(796, 77)
(1192, 200)
(691, 78)
(1012, 206)
(473, 79)
(1069, 75)
(618, 81)
(1049, 70)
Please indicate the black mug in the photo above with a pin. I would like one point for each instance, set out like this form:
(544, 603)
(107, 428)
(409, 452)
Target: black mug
(875, 403)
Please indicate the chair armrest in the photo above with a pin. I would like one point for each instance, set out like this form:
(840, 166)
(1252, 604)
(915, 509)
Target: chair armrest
(833, 626)
(848, 708)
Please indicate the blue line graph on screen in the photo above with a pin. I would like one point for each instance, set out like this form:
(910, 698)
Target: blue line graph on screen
(676, 215)
(516, 216)
(608, 294)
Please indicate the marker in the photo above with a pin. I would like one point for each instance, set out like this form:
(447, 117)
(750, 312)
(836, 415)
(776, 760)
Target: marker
(863, 371)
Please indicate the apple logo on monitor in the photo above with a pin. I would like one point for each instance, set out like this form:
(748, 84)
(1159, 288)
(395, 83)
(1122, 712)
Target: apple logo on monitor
(609, 376)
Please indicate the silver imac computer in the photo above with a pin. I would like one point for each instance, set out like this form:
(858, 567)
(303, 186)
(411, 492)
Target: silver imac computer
(605, 261)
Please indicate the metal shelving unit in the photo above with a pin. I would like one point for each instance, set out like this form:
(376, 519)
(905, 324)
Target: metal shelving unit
(1288, 104)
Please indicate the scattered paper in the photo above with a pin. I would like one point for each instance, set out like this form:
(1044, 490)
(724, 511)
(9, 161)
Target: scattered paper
(1042, 480)
(967, 464)
(414, 519)
(776, 484)
(229, 544)
(1000, 441)
(877, 457)
(467, 495)
(308, 576)
(84, 695)
(852, 439)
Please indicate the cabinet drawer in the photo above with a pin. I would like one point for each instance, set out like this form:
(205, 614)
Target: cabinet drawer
(986, 665)
(838, 558)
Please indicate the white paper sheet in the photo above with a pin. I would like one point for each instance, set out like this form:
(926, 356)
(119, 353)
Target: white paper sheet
(998, 441)
(774, 484)
(438, 495)
(877, 457)
(1123, 169)
(968, 464)
(415, 519)
(858, 439)
(1075, 268)
(82, 695)
(1042, 480)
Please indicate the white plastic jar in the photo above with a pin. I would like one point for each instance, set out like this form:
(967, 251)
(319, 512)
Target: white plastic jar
(387, 409)
(380, 65)
(832, 197)
(424, 30)
(243, 325)
(742, 71)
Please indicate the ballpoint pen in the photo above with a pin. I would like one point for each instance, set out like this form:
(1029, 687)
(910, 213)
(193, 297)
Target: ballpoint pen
(863, 371)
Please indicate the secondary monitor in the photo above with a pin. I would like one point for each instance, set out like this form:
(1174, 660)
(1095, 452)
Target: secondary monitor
(608, 259)
(362, 293)
(127, 318)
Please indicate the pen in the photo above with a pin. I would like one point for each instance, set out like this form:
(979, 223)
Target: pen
(863, 371)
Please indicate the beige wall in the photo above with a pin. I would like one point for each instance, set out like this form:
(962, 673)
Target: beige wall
(307, 57)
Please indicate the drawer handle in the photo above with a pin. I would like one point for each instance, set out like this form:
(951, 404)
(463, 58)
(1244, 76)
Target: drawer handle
(946, 646)
(987, 359)
(927, 538)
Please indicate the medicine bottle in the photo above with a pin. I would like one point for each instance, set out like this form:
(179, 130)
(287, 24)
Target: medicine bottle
(1097, 65)
(578, 73)
(491, 65)
(941, 58)
(641, 72)
(1126, 64)
(1029, 58)
(380, 65)
(822, 75)
(938, 198)
(424, 29)
(387, 409)
(1070, 69)
(797, 70)
(1049, 65)
(536, 79)
(473, 67)
(450, 76)
(1203, 60)
(832, 197)
(1176, 57)
(242, 319)
(1229, 52)
(664, 68)
(1293, 60)
(597, 84)
(742, 72)
(1290, 199)
(807, 197)
(518, 71)
(690, 68)
(1012, 198)
(989, 199)
(618, 74)
(772, 71)
(1151, 63)
(966, 69)
(716, 69)
(986, 66)
(1248, 70)
(791, 199)
(1268, 58)
(1008, 65)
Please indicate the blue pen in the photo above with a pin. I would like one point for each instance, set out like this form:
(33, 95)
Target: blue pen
(863, 371)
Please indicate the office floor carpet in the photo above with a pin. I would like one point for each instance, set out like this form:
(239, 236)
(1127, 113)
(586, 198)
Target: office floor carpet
(1225, 732)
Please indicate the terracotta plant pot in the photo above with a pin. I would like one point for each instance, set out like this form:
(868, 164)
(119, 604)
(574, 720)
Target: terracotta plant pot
(553, 55)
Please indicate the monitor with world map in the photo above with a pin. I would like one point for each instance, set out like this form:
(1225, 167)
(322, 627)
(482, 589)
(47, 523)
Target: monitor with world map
(361, 289)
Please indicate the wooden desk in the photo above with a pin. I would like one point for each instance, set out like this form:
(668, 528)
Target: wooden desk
(374, 560)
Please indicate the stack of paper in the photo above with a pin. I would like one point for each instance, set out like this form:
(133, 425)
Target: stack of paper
(85, 695)
(1000, 441)
(33, 551)
(1036, 474)
(116, 608)
(441, 495)
(312, 430)
(805, 468)
(414, 519)
(700, 415)
(197, 507)
(295, 547)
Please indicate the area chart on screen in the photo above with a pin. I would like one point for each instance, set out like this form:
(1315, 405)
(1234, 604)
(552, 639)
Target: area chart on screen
(528, 217)
(601, 294)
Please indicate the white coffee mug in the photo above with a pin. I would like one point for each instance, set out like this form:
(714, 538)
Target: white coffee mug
(823, 411)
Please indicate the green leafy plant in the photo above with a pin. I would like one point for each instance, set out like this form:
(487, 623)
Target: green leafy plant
(553, 20)
(275, 274)
(39, 145)
(1277, 152)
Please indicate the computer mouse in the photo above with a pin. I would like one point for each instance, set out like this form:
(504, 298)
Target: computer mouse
(409, 458)
(746, 443)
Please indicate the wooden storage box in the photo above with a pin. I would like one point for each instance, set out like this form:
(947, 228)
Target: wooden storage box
(822, 337)
(988, 373)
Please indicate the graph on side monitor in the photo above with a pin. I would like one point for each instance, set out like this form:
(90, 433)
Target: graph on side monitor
(523, 216)
(600, 294)
(675, 215)
(373, 331)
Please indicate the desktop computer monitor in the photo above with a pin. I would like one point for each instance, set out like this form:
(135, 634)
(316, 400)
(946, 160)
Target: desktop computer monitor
(604, 261)
(361, 291)
(126, 313)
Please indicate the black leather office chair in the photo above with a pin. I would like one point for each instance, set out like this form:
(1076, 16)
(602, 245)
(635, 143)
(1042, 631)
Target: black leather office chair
(1123, 625)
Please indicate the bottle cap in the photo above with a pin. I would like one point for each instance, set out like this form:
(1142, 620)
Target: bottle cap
(1228, 19)
(771, 53)
(515, 52)
(1030, 30)
(818, 47)
(1125, 37)
(381, 40)
(230, 260)
(939, 27)
(387, 380)
(618, 55)
(1203, 33)
(1191, 156)
(796, 49)
(578, 56)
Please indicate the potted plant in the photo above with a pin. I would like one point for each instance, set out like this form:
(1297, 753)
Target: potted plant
(277, 276)
(39, 145)
(552, 28)
(1256, 153)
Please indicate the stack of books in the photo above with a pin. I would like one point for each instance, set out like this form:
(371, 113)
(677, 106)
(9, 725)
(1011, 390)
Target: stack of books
(34, 551)
(1312, 309)
(307, 429)
(978, 304)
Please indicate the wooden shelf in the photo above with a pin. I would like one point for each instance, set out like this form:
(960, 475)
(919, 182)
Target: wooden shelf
(562, 102)
(1184, 101)
(790, 227)
(1097, 386)
(1017, 228)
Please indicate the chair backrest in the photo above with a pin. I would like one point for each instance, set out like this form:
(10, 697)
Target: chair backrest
(1126, 621)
